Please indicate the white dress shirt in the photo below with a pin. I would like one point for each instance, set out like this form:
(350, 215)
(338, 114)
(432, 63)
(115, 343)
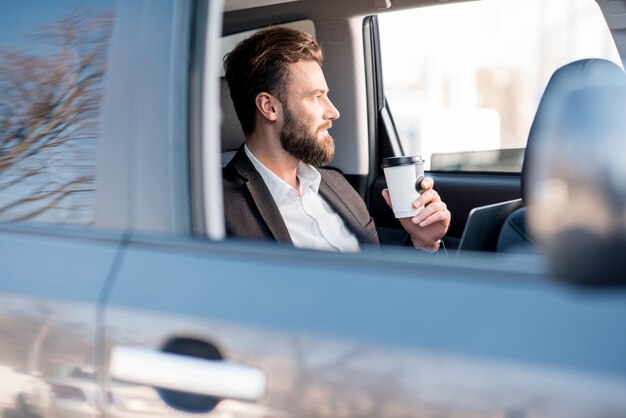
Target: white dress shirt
(310, 220)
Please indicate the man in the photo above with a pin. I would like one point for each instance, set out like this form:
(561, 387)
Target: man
(272, 189)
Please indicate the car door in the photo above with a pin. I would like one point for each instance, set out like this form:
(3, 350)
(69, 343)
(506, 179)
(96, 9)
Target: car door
(55, 263)
(199, 325)
(311, 334)
(49, 294)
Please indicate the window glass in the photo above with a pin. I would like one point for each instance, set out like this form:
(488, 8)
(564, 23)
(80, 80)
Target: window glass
(52, 73)
(463, 80)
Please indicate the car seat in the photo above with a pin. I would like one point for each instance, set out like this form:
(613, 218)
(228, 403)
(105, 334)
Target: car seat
(578, 208)
(232, 135)
(514, 236)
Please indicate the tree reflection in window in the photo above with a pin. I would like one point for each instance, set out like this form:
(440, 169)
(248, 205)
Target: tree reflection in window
(51, 84)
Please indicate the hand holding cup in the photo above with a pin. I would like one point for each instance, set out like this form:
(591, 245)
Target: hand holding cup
(415, 203)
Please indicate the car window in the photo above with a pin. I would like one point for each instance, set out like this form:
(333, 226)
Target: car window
(84, 373)
(52, 75)
(463, 80)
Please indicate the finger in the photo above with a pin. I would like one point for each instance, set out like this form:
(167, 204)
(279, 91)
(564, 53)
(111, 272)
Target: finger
(440, 216)
(426, 198)
(429, 211)
(427, 183)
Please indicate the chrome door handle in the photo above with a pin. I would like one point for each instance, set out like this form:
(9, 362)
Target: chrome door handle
(217, 378)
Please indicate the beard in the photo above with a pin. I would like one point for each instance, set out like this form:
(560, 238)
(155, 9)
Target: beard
(304, 144)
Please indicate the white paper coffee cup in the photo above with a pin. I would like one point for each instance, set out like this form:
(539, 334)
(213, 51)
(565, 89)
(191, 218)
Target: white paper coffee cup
(404, 175)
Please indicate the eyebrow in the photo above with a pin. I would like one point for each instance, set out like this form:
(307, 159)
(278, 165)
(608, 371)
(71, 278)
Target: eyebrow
(319, 91)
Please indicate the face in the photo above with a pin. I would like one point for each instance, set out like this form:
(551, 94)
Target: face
(307, 115)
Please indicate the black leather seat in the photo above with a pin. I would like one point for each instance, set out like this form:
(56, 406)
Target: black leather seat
(514, 236)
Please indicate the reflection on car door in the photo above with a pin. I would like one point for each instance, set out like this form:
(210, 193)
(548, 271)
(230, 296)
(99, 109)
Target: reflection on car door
(369, 335)
(49, 292)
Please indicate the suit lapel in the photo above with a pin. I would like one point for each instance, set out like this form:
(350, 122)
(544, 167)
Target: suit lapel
(342, 209)
(261, 196)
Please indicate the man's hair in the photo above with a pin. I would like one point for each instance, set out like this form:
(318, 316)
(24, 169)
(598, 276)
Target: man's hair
(260, 63)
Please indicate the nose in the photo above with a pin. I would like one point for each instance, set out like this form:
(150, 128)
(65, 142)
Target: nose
(331, 112)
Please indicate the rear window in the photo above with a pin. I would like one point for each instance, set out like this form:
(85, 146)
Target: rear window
(463, 80)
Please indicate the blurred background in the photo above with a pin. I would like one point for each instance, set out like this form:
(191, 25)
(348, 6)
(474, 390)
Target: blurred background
(463, 87)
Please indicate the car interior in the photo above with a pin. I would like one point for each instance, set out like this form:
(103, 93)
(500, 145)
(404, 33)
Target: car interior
(366, 131)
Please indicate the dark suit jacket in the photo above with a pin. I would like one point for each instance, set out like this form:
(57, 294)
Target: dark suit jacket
(251, 212)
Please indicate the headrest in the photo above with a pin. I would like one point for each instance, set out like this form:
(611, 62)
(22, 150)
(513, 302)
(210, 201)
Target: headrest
(578, 214)
(231, 132)
(568, 78)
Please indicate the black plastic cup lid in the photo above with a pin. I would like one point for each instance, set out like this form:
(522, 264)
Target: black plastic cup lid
(404, 160)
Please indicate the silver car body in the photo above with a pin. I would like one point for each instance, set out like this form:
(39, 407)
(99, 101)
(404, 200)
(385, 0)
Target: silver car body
(381, 333)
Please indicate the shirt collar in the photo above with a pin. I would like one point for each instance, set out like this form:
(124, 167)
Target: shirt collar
(307, 174)
(309, 177)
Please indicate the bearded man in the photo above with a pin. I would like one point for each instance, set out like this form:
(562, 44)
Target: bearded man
(272, 188)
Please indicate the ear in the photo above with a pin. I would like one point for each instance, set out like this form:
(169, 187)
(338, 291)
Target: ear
(268, 106)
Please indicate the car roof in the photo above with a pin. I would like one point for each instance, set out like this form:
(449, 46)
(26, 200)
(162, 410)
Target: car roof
(243, 14)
